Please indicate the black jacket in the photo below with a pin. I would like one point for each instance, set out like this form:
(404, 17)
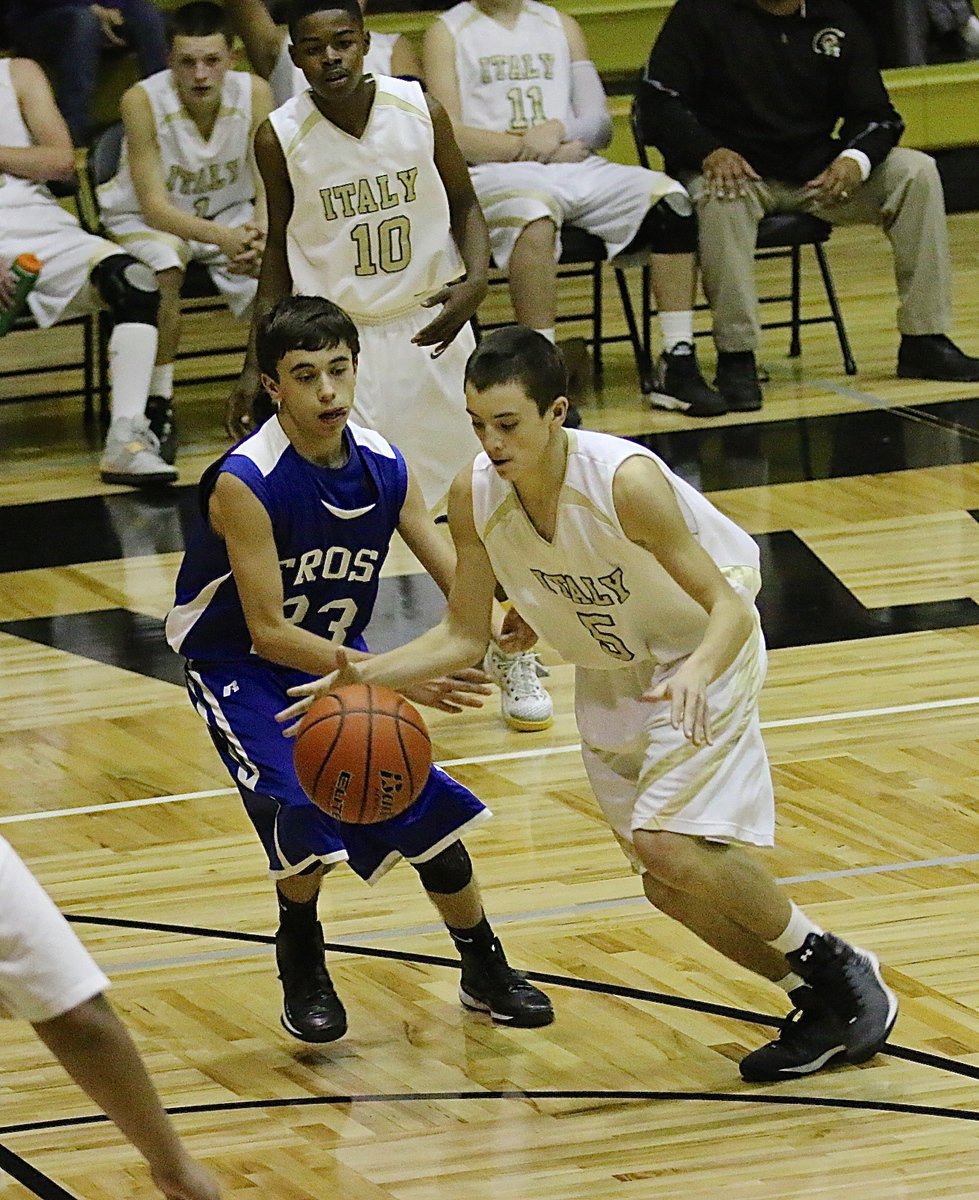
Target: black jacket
(728, 73)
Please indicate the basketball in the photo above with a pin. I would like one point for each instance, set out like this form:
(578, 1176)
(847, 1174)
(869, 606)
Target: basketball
(362, 753)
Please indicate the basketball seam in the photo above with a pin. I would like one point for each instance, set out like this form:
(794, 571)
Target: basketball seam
(370, 752)
(326, 756)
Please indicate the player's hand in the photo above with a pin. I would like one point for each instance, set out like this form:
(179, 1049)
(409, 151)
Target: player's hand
(238, 407)
(540, 142)
(516, 635)
(835, 185)
(6, 286)
(459, 302)
(686, 691)
(452, 693)
(233, 240)
(727, 174)
(188, 1182)
(111, 20)
(575, 151)
(305, 693)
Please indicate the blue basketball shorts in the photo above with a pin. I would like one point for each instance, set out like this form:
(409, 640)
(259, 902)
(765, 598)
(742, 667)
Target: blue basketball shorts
(238, 701)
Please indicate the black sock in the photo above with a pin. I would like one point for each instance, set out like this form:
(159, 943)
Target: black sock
(479, 939)
(295, 915)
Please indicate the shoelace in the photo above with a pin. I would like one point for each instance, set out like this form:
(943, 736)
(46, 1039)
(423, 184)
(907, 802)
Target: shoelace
(520, 675)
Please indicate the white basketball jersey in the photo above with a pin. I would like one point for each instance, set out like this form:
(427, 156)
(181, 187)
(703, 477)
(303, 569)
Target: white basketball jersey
(203, 178)
(370, 221)
(16, 192)
(511, 79)
(598, 598)
(287, 80)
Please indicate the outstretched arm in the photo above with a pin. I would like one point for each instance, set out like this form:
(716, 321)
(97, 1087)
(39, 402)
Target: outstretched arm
(96, 1050)
(262, 37)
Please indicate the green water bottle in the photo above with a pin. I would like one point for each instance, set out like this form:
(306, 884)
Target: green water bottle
(25, 269)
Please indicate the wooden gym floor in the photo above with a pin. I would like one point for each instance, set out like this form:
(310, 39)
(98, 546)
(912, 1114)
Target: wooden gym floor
(864, 494)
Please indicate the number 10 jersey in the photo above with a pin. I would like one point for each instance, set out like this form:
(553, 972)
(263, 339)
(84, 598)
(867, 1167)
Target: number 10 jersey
(370, 221)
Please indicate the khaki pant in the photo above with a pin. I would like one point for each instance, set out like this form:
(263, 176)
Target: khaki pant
(903, 195)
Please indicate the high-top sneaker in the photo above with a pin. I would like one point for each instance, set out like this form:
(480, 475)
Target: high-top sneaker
(311, 1010)
(525, 704)
(159, 413)
(679, 385)
(813, 1036)
(489, 984)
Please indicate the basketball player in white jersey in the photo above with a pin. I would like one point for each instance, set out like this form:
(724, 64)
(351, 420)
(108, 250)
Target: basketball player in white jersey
(187, 187)
(529, 113)
(639, 581)
(79, 272)
(370, 204)
(267, 47)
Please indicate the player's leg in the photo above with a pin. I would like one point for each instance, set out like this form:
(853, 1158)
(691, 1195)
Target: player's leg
(428, 835)
(129, 291)
(238, 702)
(533, 276)
(159, 403)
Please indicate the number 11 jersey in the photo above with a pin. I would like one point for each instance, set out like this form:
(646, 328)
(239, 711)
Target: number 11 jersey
(370, 221)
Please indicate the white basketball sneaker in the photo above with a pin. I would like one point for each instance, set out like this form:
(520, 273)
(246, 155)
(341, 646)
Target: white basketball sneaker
(132, 455)
(525, 704)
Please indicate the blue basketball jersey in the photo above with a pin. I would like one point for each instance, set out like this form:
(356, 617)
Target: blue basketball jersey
(332, 529)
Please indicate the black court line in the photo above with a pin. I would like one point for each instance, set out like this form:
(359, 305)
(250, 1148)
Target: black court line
(31, 1177)
(922, 1057)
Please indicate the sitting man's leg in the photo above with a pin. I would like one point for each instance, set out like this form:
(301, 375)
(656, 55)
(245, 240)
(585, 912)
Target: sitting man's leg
(129, 290)
(159, 404)
(728, 231)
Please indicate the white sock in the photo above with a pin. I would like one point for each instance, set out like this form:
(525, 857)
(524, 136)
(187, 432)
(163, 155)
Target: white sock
(548, 333)
(677, 327)
(132, 349)
(789, 982)
(161, 381)
(795, 933)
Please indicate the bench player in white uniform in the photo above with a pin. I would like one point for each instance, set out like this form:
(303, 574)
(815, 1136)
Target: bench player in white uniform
(638, 580)
(267, 46)
(529, 113)
(370, 204)
(187, 188)
(48, 978)
(79, 272)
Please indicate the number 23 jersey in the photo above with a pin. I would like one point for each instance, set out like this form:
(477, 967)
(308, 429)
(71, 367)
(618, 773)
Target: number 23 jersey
(332, 529)
(370, 220)
(602, 601)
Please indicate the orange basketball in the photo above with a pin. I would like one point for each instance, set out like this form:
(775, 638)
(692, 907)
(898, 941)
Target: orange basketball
(362, 753)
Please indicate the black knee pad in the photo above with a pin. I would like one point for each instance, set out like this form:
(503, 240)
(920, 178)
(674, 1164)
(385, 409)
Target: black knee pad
(128, 289)
(670, 227)
(448, 872)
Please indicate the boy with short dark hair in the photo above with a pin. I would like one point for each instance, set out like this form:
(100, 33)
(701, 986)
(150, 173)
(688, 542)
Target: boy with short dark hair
(284, 571)
(649, 590)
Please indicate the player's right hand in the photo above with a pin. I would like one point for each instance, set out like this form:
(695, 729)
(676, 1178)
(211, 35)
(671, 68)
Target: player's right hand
(727, 174)
(459, 302)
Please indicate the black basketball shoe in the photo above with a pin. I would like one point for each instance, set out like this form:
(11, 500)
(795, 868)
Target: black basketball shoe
(848, 980)
(679, 385)
(813, 1036)
(159, 413)
(489, 984)
(311, 1010)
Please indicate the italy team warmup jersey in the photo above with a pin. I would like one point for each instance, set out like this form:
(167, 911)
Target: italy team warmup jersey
(332, 528)
(600, 600)
(370, 222)
(203, 177)
(511, 78)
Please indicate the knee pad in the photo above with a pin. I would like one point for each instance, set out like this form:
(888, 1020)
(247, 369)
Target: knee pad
(448, 872)
(670, 226)
(128, 288)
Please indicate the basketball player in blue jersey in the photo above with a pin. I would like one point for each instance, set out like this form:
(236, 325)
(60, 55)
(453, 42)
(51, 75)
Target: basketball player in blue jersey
(637, 579)
(285, 569)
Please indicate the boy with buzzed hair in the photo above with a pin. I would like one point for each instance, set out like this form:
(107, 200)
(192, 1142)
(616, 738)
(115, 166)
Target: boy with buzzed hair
(187, 188)
(370, 203)
(298, 519)
(649, 590)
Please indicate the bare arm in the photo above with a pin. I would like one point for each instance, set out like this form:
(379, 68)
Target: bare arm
(405, 60)
(459, 300)
(52, 155)
(146, 169)
(261, 107)
(238, 516)
(97, 1051)
(651, 517)
(423, 539)
(261, 36)
(274, 280)
(477, 145)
